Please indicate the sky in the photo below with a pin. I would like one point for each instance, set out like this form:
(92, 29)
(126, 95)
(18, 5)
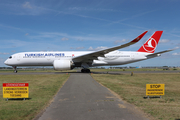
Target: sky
(86, 25)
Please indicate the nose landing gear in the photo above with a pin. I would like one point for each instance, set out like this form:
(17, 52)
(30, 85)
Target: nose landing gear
(15, 69)
(85, 70)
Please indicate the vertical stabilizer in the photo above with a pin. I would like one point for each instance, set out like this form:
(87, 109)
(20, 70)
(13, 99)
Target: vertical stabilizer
(151, 44)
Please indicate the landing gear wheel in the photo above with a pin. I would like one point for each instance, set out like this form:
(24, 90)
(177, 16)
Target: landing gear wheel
(88, 71)
(15, 69)
(85, 71)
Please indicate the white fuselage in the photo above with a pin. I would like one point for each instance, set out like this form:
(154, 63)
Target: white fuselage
(63, 60)
(47, 58)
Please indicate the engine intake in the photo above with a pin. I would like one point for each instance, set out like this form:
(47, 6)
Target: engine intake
(63, 64)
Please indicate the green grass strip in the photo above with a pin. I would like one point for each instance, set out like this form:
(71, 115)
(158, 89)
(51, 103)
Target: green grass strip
(42, 88)
(133, 90)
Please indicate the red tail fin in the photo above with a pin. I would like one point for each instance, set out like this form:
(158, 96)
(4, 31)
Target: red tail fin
(151, 44)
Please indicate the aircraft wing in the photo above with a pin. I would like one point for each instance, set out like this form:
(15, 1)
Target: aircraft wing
(158, 53)
(93, 56)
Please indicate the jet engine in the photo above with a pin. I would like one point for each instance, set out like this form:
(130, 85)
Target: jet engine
(63, 64)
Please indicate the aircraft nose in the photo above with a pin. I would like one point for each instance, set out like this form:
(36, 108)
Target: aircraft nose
(6, 62)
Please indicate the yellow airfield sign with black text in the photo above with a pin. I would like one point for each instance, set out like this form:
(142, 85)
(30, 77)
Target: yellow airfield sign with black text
(155, 89)
(15, 90)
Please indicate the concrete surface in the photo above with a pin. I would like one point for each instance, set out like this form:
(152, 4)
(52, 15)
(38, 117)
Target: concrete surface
(82, 98)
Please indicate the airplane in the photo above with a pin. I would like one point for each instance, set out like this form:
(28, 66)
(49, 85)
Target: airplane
(64, 60)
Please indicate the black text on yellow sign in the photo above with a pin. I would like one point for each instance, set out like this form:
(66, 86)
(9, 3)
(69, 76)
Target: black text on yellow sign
(15, 90)
(155, 89)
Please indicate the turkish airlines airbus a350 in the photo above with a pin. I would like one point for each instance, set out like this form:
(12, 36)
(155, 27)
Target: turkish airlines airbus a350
(68, 60)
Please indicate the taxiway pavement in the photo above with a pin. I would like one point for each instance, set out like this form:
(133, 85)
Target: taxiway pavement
(82, 98)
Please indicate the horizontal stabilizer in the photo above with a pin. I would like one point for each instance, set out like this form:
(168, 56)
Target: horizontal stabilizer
(158, 53)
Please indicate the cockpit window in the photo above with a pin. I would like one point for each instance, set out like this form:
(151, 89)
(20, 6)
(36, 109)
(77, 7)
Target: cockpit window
(10, 57)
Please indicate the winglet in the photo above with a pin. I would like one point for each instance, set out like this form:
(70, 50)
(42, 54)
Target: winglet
(151, 44)
(139, 37)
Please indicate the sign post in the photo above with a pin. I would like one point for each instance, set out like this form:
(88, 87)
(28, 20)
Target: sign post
(155, 89)
(15, 90)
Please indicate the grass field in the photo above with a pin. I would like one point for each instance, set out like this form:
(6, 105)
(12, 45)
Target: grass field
(130, 88)
(133, 90)
(35, 70)
(42, 88)
(92, 70)
(132, 69)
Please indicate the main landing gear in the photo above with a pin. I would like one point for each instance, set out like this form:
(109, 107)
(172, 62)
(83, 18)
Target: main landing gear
(15, 69)
(85, 70)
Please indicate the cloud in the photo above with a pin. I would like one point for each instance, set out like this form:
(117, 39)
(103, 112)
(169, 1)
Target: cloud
(37, 45)
(4, 53)
(1, 60)
(26, 8)
(10, 27)
(13, 43)
(164, 41)
(176, 47)
(176, 53)
(27, 5)
(132, 17)
(120, 41)
(50, 35)
(77, 48)
(174, 34)
(64, 38)
(93, 9)
(96, 49)
(80, 40)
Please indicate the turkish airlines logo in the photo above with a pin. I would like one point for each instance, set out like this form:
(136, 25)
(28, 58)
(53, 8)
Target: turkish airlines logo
(150, 45)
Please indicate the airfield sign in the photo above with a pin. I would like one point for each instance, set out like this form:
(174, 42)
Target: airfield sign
(154, 89)
(15, 90)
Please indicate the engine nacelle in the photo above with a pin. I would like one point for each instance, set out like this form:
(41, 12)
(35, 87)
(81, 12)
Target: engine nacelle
(63, 65)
